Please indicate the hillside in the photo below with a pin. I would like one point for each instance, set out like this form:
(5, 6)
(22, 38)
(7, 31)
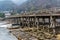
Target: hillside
(31, 5)
(7, 5)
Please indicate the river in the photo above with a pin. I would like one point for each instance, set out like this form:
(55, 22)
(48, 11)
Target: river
(4, 32)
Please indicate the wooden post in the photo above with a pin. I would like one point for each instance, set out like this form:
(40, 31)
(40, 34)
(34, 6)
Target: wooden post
(14, 20)
(34, 22)
(25, 19)
(9, 20)
(21, 22)
(37, 24)
(17, 20)
(28, 21)
(43, 23)
(52, 24)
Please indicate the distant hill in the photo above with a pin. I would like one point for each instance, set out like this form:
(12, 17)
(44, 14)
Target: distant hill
(30, 5)
(7, 5)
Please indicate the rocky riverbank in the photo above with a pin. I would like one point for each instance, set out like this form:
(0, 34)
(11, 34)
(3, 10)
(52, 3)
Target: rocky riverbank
(28, 34)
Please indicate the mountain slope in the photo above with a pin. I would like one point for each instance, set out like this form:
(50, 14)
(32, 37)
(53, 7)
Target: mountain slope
(7, 5)
(39, 4)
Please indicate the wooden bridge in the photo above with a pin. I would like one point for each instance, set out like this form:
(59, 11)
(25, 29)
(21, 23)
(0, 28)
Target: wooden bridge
(51, 20)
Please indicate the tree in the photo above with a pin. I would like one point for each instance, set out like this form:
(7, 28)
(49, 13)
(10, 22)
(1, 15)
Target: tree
(2, 15)
(32, 8)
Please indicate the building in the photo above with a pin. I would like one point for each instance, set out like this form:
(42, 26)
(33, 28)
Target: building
(7, 13)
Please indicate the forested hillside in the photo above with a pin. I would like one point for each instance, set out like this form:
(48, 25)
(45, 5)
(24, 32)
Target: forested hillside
(31, 5)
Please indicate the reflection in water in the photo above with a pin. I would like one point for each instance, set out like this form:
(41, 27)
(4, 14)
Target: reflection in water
(4, 33)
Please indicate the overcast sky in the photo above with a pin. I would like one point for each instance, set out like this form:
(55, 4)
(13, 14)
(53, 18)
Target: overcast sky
(18, 1)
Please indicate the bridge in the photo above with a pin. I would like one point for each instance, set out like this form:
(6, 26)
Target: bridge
(50, 20)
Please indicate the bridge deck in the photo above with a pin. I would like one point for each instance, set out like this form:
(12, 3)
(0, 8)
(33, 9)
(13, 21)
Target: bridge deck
(37, 14)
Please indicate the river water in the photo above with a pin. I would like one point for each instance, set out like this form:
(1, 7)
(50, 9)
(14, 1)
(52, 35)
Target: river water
(4, 33)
